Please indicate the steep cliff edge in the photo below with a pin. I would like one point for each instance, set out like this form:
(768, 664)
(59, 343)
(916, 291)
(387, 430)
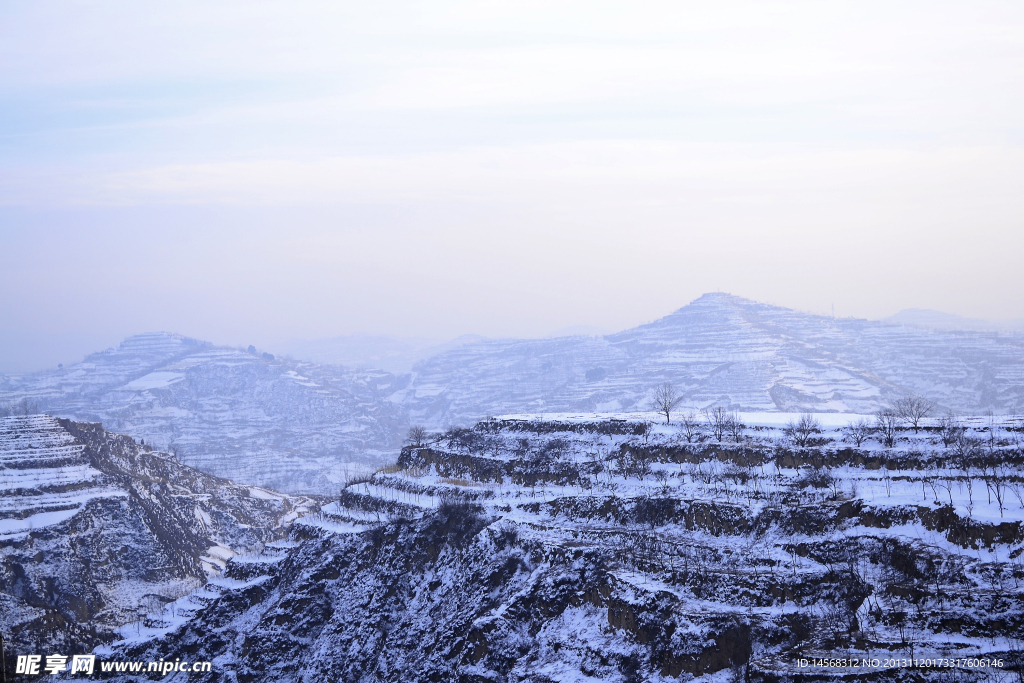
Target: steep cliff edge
(95, 528)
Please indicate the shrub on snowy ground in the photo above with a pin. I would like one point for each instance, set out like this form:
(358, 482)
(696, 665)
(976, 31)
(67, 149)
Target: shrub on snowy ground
(816, 478)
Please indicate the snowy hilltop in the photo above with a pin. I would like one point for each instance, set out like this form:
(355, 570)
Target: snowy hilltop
(234, 413)
(729, 351)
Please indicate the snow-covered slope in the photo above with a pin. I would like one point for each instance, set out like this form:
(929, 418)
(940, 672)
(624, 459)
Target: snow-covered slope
(394, 354)
(722, 349)
(93, 526)
(272, 422)
(591, 550)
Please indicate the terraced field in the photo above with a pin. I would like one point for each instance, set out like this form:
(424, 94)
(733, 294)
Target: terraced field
(45, 476)
(96, 529)
(615, 550)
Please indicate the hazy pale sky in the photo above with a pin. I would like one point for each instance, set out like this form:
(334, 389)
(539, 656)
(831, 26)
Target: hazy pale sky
(257, 172)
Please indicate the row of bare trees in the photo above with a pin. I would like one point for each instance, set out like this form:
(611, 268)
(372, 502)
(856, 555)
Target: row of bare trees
(716, 422)
(909, 410)
(888, 421)
(721, 424)
(459, 438)
(23, 407)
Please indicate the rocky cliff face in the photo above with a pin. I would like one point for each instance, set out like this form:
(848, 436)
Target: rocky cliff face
(614, 551)
(94, 527)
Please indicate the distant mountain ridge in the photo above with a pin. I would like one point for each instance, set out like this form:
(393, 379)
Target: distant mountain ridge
(302, 426)
(937, 320)
(392, 354)
(725, 350)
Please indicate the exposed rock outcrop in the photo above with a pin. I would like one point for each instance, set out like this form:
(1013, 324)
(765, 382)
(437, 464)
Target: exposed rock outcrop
(94, 527)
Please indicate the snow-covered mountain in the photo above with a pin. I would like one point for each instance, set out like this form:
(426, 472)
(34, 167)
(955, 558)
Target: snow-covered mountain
(725, 350)
(302, 426)
(280, 423)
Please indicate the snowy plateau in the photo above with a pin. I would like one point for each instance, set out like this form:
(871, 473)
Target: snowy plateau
(299, 426)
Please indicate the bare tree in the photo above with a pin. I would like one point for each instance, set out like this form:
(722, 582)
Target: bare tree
(662, 478)
(950, 429)
(858, 432)
(691, 428)
(665, 400)
(734, 427)
(887, 423)
(719, 419)
(417, 436)
(965, 450)
(998, 480)
(802, 432)
(912, 409)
